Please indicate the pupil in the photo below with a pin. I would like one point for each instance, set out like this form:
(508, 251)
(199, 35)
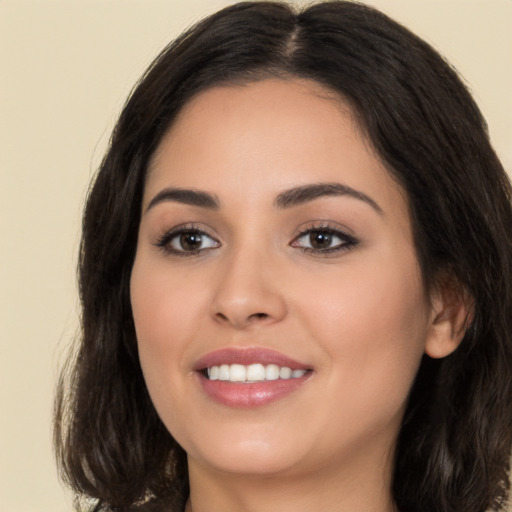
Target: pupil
(320, 239)
(190, 241)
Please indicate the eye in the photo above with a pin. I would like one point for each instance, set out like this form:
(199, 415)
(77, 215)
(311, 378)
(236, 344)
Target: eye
(187, 241)
(323, 240)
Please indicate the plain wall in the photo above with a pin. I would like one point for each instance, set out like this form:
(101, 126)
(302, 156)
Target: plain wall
(66, 68)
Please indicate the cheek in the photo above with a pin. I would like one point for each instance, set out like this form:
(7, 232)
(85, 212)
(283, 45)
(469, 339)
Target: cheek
(165, 308)
(164, 304)
(372, 323)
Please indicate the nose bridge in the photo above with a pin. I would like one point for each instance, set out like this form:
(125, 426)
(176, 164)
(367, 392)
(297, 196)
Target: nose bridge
(247, 291)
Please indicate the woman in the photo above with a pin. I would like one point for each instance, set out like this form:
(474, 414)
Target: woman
(296, 279)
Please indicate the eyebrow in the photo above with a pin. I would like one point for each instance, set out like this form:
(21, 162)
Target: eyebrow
(287, 199)
(300, 195)
(186, 196)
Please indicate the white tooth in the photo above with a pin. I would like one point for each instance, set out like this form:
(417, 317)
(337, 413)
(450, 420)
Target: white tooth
(272, 372)
(224, 372)
(255, 372)
(285, 372)
(298, 373)
(213, 373)
(237, 373)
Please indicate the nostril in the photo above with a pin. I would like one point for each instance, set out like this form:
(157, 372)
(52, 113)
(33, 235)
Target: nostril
(259, 315)
(252, 315)
(241, 320)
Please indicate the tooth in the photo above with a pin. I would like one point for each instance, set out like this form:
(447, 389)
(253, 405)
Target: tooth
(224, 372)
(252, 373)
(272, 372)
(285, 372)
(255, 372)
(237, 373)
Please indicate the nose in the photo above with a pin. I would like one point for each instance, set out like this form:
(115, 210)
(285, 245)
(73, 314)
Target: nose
(247, 293)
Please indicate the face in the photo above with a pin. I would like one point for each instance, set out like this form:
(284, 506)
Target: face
(276, 292)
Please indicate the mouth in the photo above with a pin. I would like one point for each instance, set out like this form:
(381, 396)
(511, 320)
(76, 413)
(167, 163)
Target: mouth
(250, 377)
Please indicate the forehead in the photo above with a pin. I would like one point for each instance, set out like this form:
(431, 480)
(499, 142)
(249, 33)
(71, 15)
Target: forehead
(265, 137)
(255, 112)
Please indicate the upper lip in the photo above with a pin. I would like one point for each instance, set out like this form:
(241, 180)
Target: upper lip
(247, 356)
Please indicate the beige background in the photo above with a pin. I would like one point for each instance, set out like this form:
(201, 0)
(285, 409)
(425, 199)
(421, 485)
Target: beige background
(65, 69)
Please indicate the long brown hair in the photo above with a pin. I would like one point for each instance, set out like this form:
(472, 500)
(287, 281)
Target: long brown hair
(454, 445)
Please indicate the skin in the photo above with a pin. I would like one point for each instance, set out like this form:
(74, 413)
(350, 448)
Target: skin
(359, 317)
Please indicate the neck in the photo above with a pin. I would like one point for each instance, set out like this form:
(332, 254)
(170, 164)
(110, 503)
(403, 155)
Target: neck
(356, 487)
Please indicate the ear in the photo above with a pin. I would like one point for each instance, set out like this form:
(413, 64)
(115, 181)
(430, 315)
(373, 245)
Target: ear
(451, 313)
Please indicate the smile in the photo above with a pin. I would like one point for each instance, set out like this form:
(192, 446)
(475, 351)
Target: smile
(252, 373)
(250, 377)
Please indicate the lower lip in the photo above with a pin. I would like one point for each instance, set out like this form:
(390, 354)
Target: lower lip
(257, 394)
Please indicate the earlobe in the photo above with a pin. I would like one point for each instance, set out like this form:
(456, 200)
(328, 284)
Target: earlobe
(451, 314)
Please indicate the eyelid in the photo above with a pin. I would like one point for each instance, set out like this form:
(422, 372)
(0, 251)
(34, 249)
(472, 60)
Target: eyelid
(327, 225)
(163, 240)
(348, 239)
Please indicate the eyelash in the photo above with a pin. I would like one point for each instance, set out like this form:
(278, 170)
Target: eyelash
(165, 240)
(347, 241)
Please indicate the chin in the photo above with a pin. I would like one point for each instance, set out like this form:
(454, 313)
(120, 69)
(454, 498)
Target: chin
(249, 453)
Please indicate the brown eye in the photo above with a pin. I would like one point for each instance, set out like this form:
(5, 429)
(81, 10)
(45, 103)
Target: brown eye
(185, 242)
(190, 241)
(323, 241)
(320, 239)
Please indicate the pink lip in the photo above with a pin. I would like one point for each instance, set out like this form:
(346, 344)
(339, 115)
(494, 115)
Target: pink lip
(248, 356)
(247, 395)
